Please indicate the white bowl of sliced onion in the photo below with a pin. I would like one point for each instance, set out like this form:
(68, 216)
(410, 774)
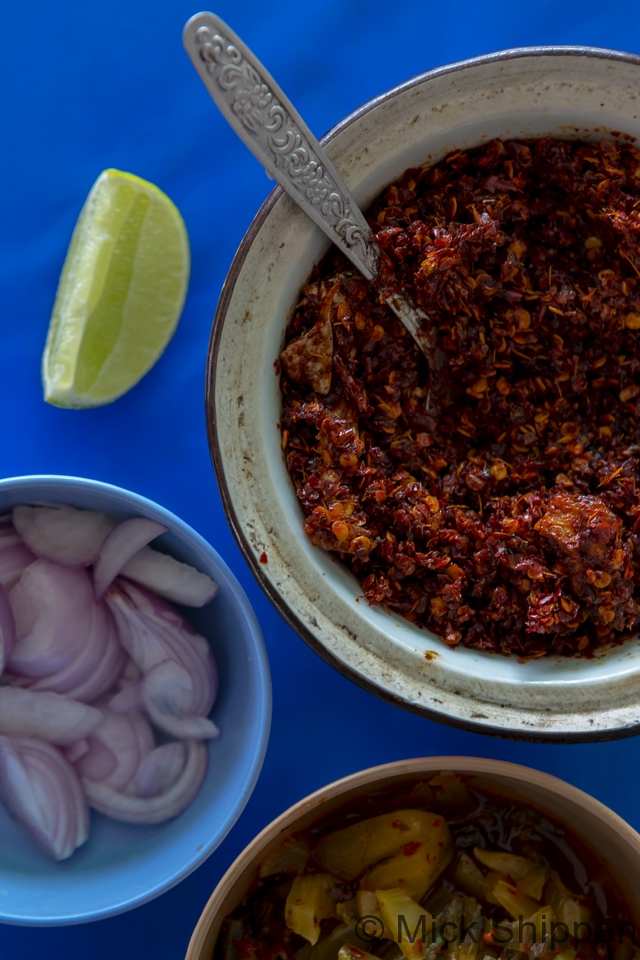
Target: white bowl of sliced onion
(134, 700)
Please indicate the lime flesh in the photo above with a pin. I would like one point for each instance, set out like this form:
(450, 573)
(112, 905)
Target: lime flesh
(120, 294)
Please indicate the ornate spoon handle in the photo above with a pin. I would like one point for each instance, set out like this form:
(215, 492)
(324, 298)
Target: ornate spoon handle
(262, 116)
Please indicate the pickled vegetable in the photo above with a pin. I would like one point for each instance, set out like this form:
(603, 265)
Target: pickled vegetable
(515, 903)
(290, 856)
(387, 879)
(347, 853)
(308, 903)
(417, 865)
(568, 908)
(469, 877)
(410, 923)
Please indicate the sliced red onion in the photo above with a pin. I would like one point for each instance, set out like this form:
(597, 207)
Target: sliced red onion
(7, 629)
(121, 545)
(15, 557)
(41, 790)
(48, 716)
(159, 770)
(128, 699)
(152, 632)
(117, 746)
(168, 693)
(75, 750)
(169, 578)
(97, 666)
(62, 533)
(132, 809)
(54, 612)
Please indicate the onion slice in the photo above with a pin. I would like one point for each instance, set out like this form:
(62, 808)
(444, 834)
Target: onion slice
(97, 667)
(169, 578)
(154, 633)
(121, 545)
(41, 790)
(7, 629)
(48, 716)
(167, 693)
(128, 699)
(117, 745)
(132, 809)
(76, 750)
(15, 556)
(54, 610)
(63, 534)
(160, 769)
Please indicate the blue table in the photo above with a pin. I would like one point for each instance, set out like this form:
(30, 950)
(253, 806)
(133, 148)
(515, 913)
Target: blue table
(89, 84)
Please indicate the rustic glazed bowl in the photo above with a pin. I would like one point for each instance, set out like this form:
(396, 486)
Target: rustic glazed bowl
(568, 92)
(613, 842)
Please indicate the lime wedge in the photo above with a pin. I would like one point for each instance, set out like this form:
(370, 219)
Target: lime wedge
(120, 294)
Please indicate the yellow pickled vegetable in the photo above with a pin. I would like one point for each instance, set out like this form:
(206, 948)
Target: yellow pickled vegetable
(308, 903)
(532, 884)
(508, 864)
(290, 856)
(567, 907)
(488, 884)
(409, 922)
(529, 877)
(368, 906)
(347, 853)
(417, 865)
(469, 877)
(516, 904)
(451, 793)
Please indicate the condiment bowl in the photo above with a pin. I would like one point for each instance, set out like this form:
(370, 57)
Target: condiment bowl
(615, 845)
(121, 865)
(567, 92)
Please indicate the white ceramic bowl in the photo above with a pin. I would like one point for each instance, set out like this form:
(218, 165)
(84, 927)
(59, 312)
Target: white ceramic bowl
(615, 844)
(569, 92)
(123, 865)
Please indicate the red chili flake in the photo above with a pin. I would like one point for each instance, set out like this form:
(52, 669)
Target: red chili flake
(493, 501)
(263, 558)
(435, 823)
(410, 848)
(397, 825)
(440, 843)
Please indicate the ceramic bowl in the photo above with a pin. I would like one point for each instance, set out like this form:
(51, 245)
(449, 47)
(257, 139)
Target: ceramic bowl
(568, 92)
(122, 865)
(614, 843)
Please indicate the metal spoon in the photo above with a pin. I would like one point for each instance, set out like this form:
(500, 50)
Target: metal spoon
(263, 117)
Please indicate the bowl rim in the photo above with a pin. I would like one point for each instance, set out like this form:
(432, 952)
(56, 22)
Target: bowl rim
(286, 612)
(259, 743)
(524, 775)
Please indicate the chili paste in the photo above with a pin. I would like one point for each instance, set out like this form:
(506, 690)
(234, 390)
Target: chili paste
(491, 496)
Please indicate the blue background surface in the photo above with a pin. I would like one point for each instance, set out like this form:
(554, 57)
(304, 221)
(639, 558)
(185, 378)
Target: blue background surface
(89, 84)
